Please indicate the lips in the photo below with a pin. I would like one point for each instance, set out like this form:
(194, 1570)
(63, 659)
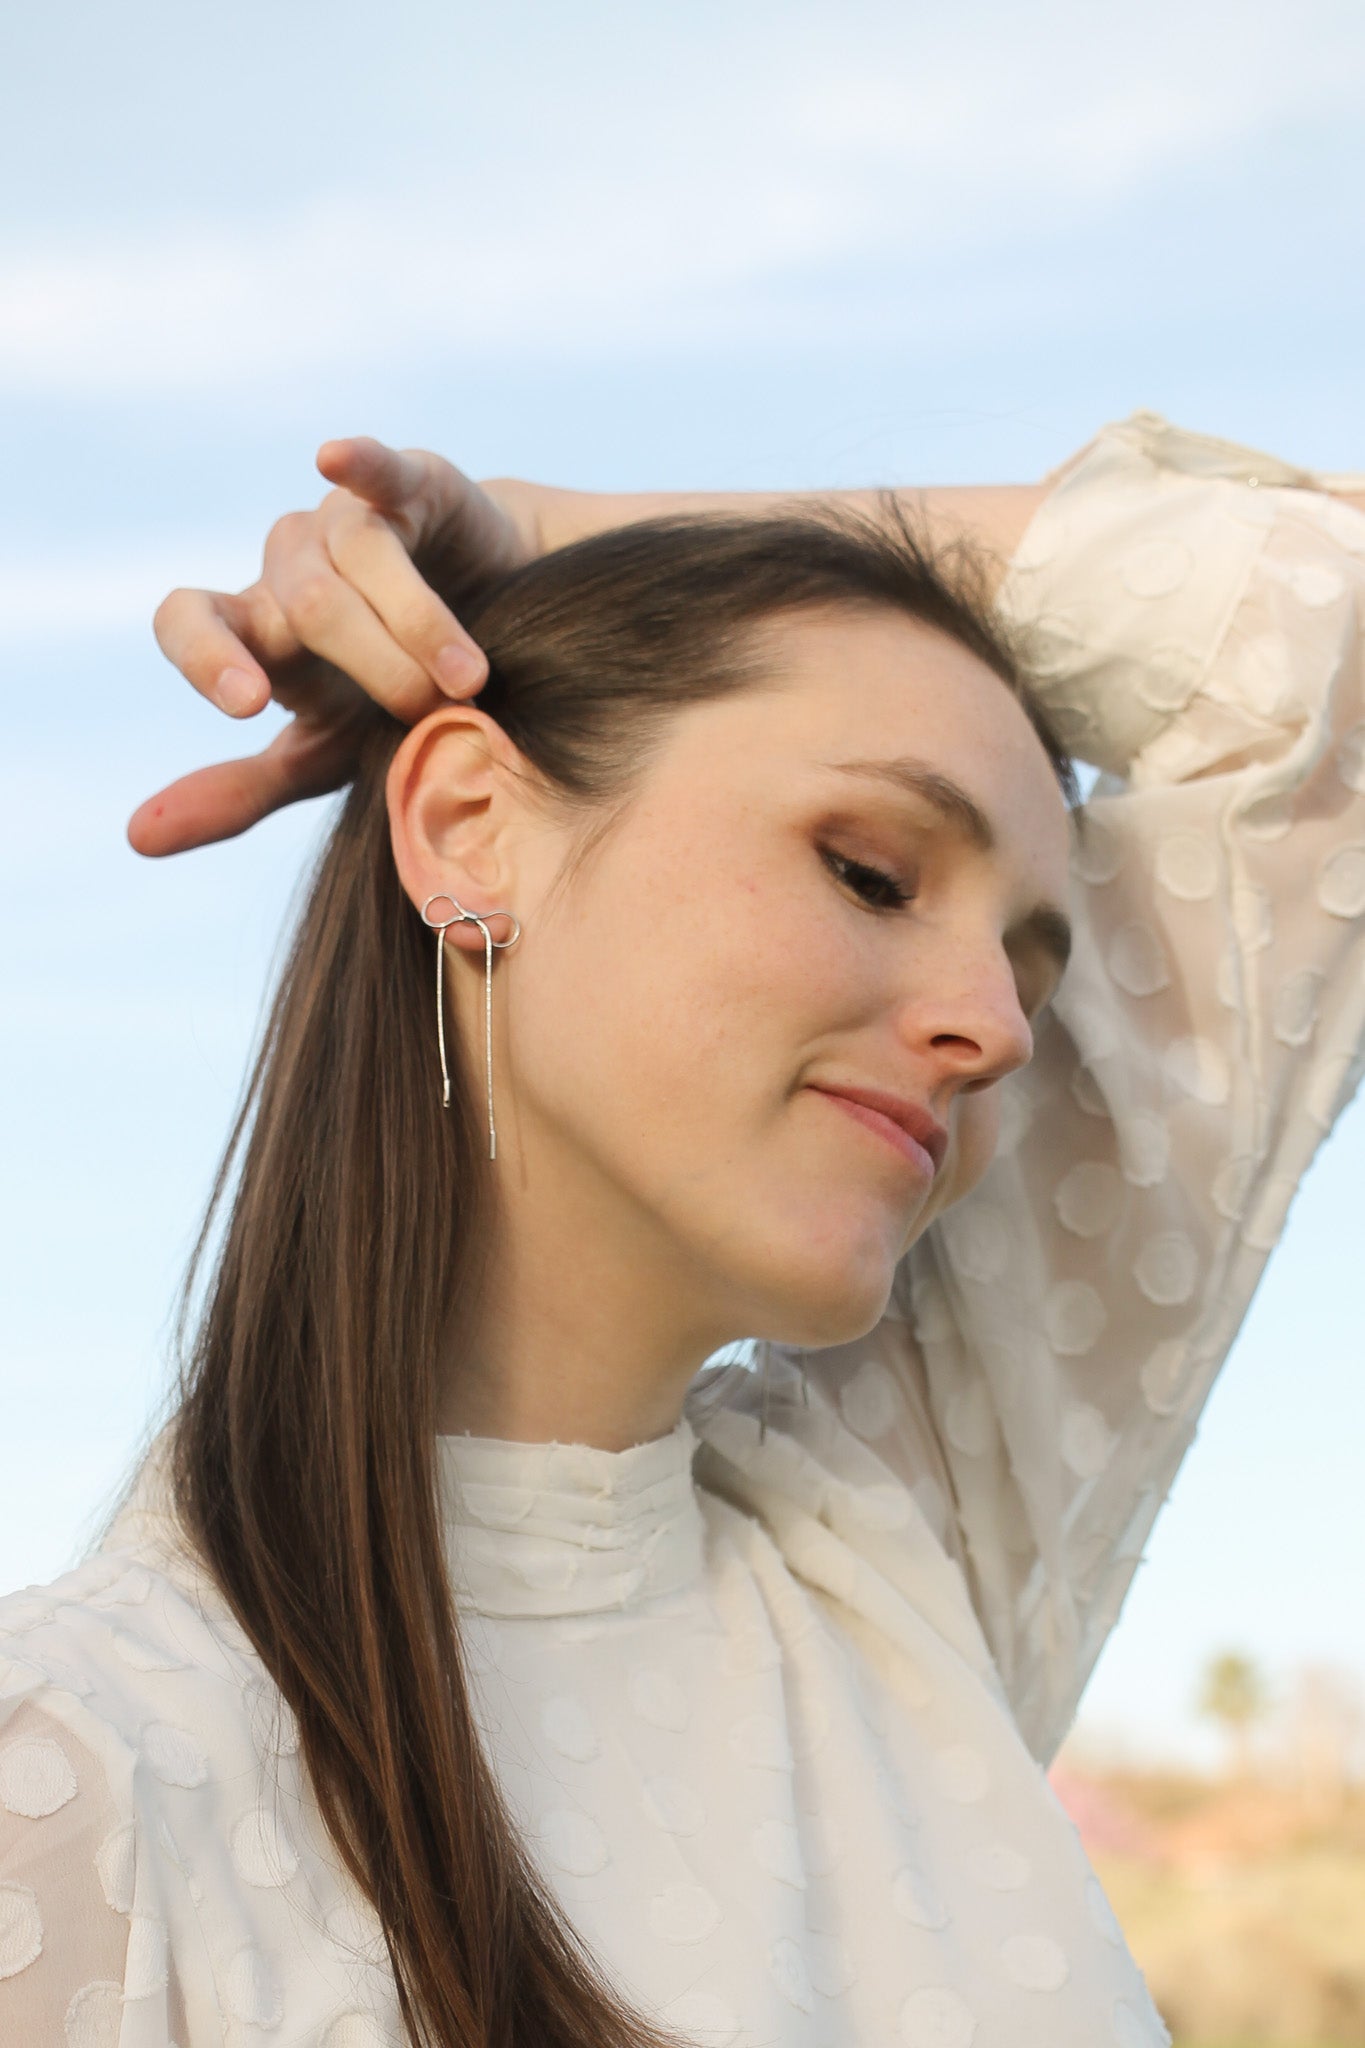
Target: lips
(910, 1119)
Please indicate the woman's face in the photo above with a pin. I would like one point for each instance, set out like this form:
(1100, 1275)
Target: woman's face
(850, 878)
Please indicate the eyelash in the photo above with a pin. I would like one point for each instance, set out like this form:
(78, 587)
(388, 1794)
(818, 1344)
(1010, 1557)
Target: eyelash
(894, 897)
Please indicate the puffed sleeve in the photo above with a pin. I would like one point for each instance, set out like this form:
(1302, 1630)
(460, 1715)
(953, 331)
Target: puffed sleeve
(82, 1961)
(1193, 612)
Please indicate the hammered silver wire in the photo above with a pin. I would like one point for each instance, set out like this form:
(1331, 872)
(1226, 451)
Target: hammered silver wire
(441, 927)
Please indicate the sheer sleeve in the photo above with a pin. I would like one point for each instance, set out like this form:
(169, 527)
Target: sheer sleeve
(1194, 614)
(81, 1963)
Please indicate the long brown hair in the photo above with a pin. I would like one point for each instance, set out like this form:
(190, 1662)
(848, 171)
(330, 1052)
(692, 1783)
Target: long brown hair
(352, 1241)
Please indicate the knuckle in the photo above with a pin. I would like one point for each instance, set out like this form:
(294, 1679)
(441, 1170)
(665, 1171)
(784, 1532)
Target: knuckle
(309, 602)
(288, 529)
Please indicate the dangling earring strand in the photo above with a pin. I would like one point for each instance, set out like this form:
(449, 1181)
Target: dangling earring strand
(459, 915)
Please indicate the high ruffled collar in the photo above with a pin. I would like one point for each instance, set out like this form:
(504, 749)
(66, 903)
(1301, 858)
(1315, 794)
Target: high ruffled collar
(548, 1529)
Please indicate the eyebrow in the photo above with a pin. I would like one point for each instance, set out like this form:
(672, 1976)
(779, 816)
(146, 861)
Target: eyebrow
(1045, 925)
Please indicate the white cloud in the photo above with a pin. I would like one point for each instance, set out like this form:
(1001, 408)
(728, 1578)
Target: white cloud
(630, 214)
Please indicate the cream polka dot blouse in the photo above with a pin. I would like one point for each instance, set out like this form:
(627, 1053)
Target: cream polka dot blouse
(773, 1709)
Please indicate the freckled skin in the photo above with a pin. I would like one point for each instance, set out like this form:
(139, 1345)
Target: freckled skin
(663, 1018)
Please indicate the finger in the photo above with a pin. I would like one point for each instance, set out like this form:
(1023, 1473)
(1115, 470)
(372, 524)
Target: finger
(373, 560)
(387, 478)
(228, 798)
(334, 621)
(211, 636)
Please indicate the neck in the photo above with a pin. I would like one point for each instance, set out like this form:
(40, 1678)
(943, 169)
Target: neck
(587, 1330)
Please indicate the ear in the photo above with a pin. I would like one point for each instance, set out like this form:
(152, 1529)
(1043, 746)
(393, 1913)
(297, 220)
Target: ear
(449, 791)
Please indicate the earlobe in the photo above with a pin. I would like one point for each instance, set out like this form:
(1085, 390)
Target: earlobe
(446, 813)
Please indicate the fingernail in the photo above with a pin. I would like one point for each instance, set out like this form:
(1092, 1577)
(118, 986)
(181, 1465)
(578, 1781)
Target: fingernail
(457, 665)
(238, 691)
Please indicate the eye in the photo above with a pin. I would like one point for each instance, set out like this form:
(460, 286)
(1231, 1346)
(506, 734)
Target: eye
(877, 889)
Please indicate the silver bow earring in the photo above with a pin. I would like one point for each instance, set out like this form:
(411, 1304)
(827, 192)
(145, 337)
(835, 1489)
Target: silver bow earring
(439, 925)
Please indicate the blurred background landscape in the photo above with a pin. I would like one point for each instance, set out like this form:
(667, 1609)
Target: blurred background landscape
(611, 246)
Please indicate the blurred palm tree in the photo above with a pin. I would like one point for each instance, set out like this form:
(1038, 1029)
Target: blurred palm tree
(1234, 1694)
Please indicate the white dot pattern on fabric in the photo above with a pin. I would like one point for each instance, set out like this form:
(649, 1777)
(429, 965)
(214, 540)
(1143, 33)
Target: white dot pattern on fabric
(274, 1730)
(1316, 586)
(1341, 882)
(94, 2016)
(1086, 1092)
(1089, 1198)
(674, 1807)
(1296, 1007)
(1074, 1316)
(656, 1696)
(567, 1726)
(1097, 854)
(573, 1842)
(935, 2017)
(21, 1928)
(262, 1849)
(777, 1849)
(1199, 1068)
(1144, 1149)
(36, 1778)
(1351, 758)
(916, 1899)
(1253, 918)
(174, 1755)
(968, 1422)
(787, 1968)
(978, 1241)
(145, 1968)
(1136, 960)
(1001, 1868)
(701, 2018)
(869, 1402)
(1169, 679)
(115, 1869)
(1167, 1268)
(1035, 1962)
(1186, 866)
(355, 2030)
(961, 1774)
(1265, 1219)
(253, 1995)
(1163, 1376)
(684, 1913)
(761, 1740)
(1156, 568)
(1087, 1441)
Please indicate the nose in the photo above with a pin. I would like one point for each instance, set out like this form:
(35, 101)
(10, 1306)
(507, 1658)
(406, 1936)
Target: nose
(969, 1027)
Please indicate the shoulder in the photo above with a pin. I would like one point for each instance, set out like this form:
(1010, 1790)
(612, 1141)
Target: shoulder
(138, 1660)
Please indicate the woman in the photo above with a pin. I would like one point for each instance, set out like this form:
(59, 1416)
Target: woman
(743, 1738)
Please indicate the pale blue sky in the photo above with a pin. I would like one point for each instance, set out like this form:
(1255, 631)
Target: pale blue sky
(605, 245)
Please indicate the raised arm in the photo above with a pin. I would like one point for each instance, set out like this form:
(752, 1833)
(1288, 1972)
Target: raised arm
(361, 598)
(1196, 616)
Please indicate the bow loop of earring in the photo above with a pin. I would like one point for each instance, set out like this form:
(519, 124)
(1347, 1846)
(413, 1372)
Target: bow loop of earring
(441, 925)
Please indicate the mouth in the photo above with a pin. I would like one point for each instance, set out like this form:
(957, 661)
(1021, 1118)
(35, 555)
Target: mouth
(917, 1136)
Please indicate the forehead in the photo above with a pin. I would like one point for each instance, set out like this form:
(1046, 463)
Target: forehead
(836, 687)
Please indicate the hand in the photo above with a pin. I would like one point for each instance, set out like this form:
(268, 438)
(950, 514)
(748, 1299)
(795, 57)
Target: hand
(341, 613)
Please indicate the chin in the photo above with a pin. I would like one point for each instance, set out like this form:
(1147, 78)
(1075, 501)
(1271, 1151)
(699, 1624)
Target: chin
(820, 1307)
